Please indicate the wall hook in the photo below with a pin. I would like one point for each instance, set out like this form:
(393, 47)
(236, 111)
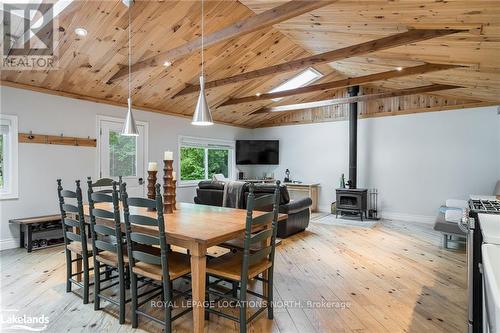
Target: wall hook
(31, 136)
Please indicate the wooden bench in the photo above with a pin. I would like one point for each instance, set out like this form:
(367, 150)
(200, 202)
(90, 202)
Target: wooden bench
(48, 224)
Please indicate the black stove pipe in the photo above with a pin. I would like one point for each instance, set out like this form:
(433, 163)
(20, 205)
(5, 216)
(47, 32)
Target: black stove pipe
(353, 137)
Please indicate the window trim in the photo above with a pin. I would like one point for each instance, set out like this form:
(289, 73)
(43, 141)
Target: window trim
(312, 69)
(205, 143)
(13, 156)
(99, 120)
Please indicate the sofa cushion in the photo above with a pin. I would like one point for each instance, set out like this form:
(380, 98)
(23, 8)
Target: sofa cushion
(262, 188)
(211, 185)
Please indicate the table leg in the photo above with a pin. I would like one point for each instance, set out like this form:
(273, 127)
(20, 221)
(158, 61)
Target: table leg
(198, 271)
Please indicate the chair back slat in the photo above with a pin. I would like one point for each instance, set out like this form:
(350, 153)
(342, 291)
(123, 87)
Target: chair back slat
(263, 219)
(143, 220)
(137, 242)
(261, 236)
(71, 223)
(259, 255)
(102, 197)
(146, 257)
(144, 239)
(74, 237)
(73, 226)
(267, 237)
(68, 194)
(105, 246)
(104, 230)
(142, 202)
(105, 224)
(102, 213)
(264, 201)
(70, 208)
(103, 182)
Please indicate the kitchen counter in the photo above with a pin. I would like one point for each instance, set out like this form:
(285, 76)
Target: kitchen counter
(490, 228)
(491, 279)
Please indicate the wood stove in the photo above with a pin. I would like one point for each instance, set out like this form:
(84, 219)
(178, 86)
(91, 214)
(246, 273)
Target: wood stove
(352, 201)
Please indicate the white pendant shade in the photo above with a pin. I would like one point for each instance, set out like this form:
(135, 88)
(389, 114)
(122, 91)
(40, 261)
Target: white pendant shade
(202, 115)
(130, 127)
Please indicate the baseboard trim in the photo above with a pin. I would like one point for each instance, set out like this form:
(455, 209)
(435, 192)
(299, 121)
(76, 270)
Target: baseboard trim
(408, 217)
(9, 243)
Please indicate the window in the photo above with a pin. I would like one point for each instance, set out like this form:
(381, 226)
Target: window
(122, 155)
(200, 159)
(8, 157)
(300, 80)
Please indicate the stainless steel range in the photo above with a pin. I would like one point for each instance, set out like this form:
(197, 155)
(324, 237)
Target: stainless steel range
(471, 224)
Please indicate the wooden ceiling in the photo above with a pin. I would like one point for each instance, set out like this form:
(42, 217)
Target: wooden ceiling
(87, 64)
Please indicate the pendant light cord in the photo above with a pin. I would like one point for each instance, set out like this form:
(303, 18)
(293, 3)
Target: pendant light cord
(129, 52)
(202, 41)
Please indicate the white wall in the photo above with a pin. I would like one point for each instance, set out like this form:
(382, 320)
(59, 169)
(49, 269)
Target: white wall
(415, 161)
(40, 165)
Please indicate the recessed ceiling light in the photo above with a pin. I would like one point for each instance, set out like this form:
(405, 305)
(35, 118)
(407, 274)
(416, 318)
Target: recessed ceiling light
(167, 63)
(257, 94)
(399, 68)
(81, 32)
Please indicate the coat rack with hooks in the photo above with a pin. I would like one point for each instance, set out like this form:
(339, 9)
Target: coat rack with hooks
(56, 140)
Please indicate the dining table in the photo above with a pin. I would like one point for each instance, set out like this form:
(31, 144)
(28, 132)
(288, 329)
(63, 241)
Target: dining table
(196, 228)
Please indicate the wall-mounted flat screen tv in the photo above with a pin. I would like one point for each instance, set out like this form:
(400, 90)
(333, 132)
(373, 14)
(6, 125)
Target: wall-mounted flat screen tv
(250, 152)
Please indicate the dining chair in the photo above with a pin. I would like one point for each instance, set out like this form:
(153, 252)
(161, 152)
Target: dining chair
(239, 267)
(75, 237)
(104, 185)
(149, 256)
(108, 253)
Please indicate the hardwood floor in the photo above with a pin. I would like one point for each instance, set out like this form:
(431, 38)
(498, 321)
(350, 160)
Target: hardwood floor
(393, 277)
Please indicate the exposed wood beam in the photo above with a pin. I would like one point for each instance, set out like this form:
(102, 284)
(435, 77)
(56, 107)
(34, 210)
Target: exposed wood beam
(101, 100)
(474, 104)
(362, 98)
(404, 38)
(263, 20)
(417, 70)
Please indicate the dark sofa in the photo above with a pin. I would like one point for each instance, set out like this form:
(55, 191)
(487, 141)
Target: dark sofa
(211, 193)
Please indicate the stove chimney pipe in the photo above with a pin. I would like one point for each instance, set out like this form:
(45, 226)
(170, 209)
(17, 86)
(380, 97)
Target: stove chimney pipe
(353, 136)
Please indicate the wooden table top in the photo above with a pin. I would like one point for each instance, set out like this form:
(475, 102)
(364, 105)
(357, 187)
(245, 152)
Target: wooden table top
(208, 225)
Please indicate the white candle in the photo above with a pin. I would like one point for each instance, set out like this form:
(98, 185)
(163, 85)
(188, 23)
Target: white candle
(168, 156)
(174, 175)
(152, 166)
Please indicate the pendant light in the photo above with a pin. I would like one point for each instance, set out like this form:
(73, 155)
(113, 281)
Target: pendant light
(130, 127)
(202, 115)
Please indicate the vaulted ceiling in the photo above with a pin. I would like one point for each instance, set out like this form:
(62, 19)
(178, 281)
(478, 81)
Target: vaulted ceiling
(86, 64)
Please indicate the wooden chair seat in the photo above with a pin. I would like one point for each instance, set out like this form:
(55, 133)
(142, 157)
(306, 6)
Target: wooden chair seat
(110, 258)
(229, 266)
(239, 243)
(178, 265)
(77, 248)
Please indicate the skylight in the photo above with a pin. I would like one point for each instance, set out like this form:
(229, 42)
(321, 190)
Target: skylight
(300, 80)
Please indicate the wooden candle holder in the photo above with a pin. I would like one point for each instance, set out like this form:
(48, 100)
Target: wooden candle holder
(174, 183)
(168, 188)
(151, 186)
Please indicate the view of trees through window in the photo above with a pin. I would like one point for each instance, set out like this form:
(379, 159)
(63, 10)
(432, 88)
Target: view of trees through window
(193, 163)
(122, 155)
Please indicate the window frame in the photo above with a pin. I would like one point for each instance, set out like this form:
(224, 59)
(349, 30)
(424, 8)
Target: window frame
(206, 143)
(303, 84)
(11, 171)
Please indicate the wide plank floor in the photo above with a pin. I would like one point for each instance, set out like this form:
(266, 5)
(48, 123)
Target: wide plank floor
(393, 277)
